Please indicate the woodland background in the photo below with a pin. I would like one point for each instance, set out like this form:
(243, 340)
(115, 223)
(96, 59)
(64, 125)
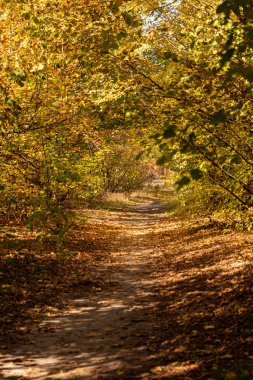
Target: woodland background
(94, 93)
(99, 99)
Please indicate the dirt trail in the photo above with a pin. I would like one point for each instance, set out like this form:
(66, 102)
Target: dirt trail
(103, 335)
(177, 305)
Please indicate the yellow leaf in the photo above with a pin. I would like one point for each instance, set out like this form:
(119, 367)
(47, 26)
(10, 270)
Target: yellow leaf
(209, 327)
(180, 349)
(156, 369)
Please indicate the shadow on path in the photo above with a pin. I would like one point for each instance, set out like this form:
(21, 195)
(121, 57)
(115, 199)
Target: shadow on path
(179, 307)
(102, 335)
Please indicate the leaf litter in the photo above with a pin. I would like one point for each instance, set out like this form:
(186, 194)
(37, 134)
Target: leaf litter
(171, 302)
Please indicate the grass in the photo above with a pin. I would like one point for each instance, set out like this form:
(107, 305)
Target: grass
(112, 202)
(167, 197)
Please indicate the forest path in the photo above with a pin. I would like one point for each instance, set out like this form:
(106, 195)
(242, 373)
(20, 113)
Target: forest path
(102, 335)
(175, 303)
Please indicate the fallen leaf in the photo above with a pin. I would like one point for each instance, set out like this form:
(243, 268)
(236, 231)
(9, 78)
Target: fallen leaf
(180, 349)
(209, 327)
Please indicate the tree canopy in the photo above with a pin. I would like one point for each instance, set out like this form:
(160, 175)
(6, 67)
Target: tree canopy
(85, 80)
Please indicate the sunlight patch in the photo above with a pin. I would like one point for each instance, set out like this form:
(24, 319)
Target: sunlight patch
(175, 368)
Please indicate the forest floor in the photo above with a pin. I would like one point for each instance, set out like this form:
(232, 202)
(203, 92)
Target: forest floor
(141, 296)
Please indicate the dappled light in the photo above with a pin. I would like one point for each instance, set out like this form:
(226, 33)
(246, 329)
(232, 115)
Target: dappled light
(126, 189)
(176, 298)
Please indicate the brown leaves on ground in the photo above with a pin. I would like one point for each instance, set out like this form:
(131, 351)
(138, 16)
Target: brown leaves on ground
(203, 278)
(36, 279)
(206, 300)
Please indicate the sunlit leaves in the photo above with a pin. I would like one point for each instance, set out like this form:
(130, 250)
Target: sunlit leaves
(241, 32)
(62, 86)
(205, 70)
(73, 76)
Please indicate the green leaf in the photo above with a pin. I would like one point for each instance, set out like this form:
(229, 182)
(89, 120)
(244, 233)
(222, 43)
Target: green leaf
(196, 174)
(12, 103)
(192, 138)
(170, 131)
(128, 18)
(121, 35)
(139, 155)
(218, 117)
(21, 84)
(223, 8)
(241, 71)
(114, 45)
(156, 136)
(242, 48)
(9, 102)
(171, 94)
(229, 40)
(26, 16)
(236, 159)
(186, 148)
(109, 45)
(163, 146)
(247, 73)
(184, 181)
(249, 31)
(135, 23)
(162, 160)
(170, 55)
(227, 57)
(16, 106)
(13, 201)
(115, 6)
